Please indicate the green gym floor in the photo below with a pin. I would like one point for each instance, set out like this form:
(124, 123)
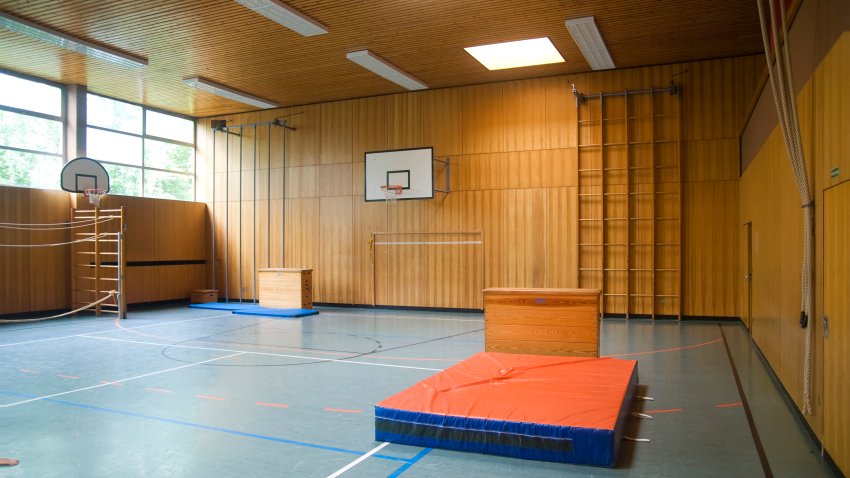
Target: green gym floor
(180, 392)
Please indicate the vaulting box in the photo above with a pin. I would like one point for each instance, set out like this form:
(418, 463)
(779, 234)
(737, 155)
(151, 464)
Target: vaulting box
(286, 288)
(542, 321)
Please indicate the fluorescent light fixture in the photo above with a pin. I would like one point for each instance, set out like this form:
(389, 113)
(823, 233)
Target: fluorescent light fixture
(228, 93)
(590, 42)
(381, 67)
(19, 25)
(514, 54)
(287, 16)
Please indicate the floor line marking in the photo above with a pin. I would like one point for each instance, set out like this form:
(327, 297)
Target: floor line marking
(410, 463)
(367, 316)
(116, 381)
(26, 370)
(240, 352)
(357, 461)
(160, 390)
(278, 405)
(88, 334)
(728, 405)
(341, 410)
(669, 410)
(72, 377)
(674, 349)
(214, 429)
(209, 397)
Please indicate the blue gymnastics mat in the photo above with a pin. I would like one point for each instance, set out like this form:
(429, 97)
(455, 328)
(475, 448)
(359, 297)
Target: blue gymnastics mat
(253, 309)
(267, 312)
(220, 306)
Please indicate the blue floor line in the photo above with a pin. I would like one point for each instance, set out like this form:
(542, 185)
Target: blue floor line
(211, 428)
(410, 463)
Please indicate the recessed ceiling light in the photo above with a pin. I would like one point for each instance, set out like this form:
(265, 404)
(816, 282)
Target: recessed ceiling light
(229, 93)
(285, 15)
(381, 67)
(589, 41)
(54, 37)
(514, 54)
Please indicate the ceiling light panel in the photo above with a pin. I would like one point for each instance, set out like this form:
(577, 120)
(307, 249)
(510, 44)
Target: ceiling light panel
(515, 54)
(381, 67)
(285, 15)
(589, 41)
(57, 38)
(231, 94)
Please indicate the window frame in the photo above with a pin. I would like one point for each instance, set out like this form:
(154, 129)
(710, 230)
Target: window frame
(62, 119)
(143, 136)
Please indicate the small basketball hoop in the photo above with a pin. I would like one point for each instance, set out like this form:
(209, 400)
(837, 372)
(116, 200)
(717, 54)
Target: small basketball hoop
(391, 192)
(94, 195)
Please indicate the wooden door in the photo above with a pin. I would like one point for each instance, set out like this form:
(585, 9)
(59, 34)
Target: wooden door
(837, 308)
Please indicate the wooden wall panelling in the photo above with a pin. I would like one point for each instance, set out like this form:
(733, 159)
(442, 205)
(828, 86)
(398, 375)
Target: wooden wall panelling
(405, 127)
(442, 121)
(303, 240)
(837, 308)
(710, 249)
(334, 266)
(336, 180)
(303, 146)
(371, 125)
(483, 119)
(711, 100)
(337, 129)
(561, 261)
(524, 112)
(366, 218)
(560, 113)
(833, 100)
(49, 268)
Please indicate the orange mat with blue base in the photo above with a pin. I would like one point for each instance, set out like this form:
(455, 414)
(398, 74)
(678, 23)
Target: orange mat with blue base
(563, 409)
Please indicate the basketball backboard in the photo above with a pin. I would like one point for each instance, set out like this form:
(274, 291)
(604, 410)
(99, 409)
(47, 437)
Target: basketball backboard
(412, 169)
(84, 173)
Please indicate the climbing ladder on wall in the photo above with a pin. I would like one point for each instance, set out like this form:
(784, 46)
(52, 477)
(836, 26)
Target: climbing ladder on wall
(630, 200)
(99, 265)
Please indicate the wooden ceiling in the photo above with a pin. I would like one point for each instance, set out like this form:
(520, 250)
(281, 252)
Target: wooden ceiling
(223, 41)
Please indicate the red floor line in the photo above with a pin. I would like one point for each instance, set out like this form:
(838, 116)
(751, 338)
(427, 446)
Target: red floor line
(26, 370)
(73, 377)
(669, 410)
(160, 390)
(209, 397)
(668, 350)
(278, 405)
(728, 405)
(341, 410)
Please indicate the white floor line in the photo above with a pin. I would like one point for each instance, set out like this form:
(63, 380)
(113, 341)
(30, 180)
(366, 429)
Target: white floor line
(269, 354)
(357, 461)
(115, 330)
(117, 381)
(374, 316)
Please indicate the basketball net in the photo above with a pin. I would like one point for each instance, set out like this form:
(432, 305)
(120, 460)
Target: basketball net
(94, 195)
(391, 194)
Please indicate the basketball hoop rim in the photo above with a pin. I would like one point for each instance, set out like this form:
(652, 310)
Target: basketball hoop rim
(395, 188)
(96, 191)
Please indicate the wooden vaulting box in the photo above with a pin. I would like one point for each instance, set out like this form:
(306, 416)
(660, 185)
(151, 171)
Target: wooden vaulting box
(542, 321)
(286, 288)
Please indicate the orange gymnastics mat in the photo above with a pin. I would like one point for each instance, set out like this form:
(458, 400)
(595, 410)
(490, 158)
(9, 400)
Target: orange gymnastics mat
(563, 409)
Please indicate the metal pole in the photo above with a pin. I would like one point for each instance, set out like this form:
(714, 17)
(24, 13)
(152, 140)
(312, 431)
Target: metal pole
(226, 217)
(239, 264)
(254, 228)
(212, 219)
(283, 200)
(269, 197)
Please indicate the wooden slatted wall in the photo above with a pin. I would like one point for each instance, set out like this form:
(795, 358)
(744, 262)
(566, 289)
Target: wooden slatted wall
(38, 279)
(513, 150)
(770, 201)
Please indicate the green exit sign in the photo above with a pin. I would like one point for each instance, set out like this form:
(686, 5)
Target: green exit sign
(835, 172)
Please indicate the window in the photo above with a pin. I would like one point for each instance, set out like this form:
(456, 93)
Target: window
(146, 152)
(31, 132)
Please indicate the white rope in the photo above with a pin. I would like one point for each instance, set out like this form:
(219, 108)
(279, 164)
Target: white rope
(87, 239)
(782, 83)
(111, 293)
(55, 225)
